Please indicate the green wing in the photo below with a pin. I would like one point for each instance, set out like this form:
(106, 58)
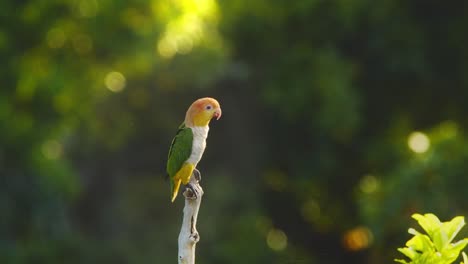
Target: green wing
(180, 150)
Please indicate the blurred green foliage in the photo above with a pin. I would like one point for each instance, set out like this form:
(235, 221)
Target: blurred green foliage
(340, 120)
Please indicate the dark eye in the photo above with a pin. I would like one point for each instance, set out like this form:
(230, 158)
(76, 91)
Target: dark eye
(208, 107)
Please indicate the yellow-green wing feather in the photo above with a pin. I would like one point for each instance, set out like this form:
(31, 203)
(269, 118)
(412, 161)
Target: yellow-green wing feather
(180, 151)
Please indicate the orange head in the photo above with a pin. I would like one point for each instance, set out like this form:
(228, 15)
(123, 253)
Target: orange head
(202, 111)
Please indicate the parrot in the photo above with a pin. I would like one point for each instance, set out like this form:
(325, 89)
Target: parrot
(189, 143)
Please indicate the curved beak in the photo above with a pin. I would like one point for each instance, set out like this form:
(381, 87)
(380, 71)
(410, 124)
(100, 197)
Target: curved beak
(217, 114)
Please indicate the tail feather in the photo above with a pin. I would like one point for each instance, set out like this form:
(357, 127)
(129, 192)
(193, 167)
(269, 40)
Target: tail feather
(175, 188)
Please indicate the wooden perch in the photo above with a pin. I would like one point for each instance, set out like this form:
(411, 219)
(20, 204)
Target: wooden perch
(188, 236)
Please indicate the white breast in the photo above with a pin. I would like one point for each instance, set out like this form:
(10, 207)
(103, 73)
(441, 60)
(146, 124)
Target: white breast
(199, 143)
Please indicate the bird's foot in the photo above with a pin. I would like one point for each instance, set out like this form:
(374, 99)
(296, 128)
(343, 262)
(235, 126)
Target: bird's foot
(197, 175)
(190, 192)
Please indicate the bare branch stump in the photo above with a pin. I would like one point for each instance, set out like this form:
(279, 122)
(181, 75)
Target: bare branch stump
(188, 236)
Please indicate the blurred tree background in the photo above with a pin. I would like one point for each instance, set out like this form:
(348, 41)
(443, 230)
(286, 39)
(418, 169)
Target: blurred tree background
(340, 120)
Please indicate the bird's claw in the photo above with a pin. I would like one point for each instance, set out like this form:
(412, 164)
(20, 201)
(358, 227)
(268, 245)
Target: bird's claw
(197, 175)
(190, 192)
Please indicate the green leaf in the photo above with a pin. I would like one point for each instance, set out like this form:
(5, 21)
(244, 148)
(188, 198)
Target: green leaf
(420, 243)
(453, 227)
(436, 246)
(413, 231)
(440, 239)
(447, 232)
(429, 222)
(401, 261)
(409, 252)
(453, 250)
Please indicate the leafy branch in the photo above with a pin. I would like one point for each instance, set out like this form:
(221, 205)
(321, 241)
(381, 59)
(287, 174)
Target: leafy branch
(434, 247)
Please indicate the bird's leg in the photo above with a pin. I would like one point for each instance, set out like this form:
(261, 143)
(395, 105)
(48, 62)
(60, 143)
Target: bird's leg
(191, 192)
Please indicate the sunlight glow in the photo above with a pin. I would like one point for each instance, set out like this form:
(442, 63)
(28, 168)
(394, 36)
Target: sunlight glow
(185, 31)
(115, 81)
(52, 149)
(167, 48)
(418, 142)
(277, 239)
(358, 238)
